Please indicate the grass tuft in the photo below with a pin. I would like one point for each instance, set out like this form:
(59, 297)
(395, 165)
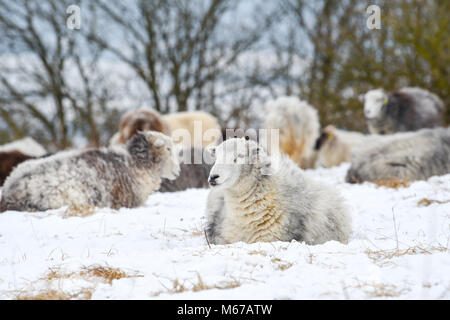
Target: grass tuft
(107, 274)
(426, 202)
(51, 294)
(380, 255)
(79, 211)
(393, 183)
(199, 285)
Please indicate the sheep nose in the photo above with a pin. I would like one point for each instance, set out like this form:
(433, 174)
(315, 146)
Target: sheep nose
(212, 179)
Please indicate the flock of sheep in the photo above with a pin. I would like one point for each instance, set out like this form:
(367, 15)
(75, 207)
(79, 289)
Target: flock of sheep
(256, 194)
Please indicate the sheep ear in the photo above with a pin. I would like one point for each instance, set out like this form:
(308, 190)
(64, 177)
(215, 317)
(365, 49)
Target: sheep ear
(330, 137)
(159, 143)
(324, 136)
(361, 97)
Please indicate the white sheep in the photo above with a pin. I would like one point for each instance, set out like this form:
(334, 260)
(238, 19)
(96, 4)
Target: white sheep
(335, 146)
(122, 176)
(407, 109)
(256, 197)
(409, 156)
(298, 124)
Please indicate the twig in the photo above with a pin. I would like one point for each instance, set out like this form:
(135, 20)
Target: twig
(207, 240)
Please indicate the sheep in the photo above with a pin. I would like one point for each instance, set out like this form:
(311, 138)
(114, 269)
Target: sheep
(144, 119)
(335, 146)
(407, 109)
(10, 160)
(405, 156)
(115, 177)
(27, 146)
(193, 174)
(194, 129)
(256, 197)
(298, 124)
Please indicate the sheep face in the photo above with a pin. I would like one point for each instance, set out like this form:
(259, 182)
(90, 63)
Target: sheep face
(155, 148)
(235, 160)
(169, 154)
(374, 100)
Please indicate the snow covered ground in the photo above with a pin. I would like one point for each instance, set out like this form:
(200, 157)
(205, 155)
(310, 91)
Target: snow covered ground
(398, 250)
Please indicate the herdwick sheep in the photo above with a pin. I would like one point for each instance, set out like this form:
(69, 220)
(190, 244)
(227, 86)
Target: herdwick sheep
(193, 174)
(121, 176)
(255, 199)
(405, 156)
(407, 109)
(335, 146)
(298, 124)
(194, 128)
(133, 121)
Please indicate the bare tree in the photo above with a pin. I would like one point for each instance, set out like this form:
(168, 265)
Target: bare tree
(186, 52)
(49, 87)
(343, 58)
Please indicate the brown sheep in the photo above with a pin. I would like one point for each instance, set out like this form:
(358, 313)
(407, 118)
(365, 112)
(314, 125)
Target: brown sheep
(8, 161)
(140, 120)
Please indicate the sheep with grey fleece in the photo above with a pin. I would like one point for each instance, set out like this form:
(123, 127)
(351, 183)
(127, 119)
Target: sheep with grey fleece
(120, 176)
(194, 171)
(407, 109)
(256, 197)
(406, 156)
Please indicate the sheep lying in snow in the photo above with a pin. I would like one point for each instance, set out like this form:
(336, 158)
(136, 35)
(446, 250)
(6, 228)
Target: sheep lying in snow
(122, 176)
(408, 109)
(299, 127)
(405, 156)
(252, 199)
(133, 121)
(206, 133)
(192, 174)
(335, 146)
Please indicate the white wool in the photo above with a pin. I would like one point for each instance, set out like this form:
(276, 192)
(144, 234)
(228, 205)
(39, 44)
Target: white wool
(27, 146)
(254, 200)
(298, 123)
(206, 133)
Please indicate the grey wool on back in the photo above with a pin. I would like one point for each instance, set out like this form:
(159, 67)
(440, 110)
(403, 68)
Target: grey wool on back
(192, 175)
(122, 176)
(408, 109)
(406, 156)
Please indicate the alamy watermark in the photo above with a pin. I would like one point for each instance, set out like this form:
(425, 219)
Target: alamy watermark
(267, 140)
(73, 20)
(374, 19)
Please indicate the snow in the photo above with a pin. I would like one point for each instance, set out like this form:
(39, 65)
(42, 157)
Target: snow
(398, 250)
